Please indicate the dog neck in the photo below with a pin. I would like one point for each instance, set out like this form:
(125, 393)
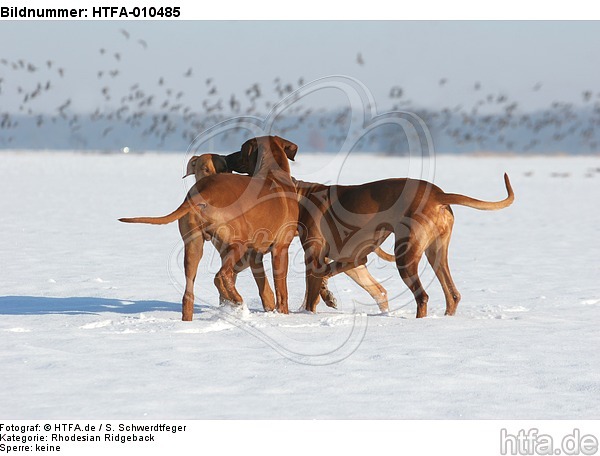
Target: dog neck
(274, 167)
(276, 164)
(306, 188)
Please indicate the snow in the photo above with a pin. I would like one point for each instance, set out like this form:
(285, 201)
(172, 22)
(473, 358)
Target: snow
(90, 308)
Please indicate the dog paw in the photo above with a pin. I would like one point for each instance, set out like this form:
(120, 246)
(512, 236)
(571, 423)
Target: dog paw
(330, 300)
(234, 309)
(226, 302)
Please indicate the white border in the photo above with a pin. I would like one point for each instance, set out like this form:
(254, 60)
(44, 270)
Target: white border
(346, 10)
(355, 437)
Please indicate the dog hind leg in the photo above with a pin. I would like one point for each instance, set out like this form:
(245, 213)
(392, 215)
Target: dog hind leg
(194, 248)
(408, 252)
(437, 255)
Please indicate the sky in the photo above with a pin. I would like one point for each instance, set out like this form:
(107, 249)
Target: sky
(436, 64)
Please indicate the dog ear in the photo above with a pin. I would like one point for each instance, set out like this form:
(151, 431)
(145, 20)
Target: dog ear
(289, 147)
(191, 166)
(220, 164)
(234, 162)
(248, 148)
(245, 162)
(249, 151)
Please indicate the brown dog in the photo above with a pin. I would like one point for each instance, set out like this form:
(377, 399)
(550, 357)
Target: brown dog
(207, 164)
(245, 217)
(346, 223)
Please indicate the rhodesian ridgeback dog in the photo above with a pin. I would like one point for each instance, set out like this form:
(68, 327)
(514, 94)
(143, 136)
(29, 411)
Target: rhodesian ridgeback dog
(204, 165)
(246, 217)
(340, 225)
(346, 223)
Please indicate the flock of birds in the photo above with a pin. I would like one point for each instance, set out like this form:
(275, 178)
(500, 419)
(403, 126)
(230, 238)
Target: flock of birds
(163, 111)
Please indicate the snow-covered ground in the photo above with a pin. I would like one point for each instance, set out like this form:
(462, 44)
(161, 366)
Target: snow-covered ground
(90, 308)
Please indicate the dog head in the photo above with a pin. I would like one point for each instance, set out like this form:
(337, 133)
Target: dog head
(260, 155)
(206, 165)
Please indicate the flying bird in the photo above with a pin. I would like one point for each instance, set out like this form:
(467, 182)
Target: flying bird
(396, 92)
(234, 104)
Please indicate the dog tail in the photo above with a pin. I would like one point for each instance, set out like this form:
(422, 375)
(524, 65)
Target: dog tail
(384, 255)
(462, 200)
(182, 210)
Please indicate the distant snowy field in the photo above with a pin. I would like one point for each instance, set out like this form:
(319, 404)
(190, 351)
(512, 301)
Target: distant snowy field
(90, 308)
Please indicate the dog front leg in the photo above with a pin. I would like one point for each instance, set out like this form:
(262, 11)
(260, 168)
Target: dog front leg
(225, 278)
(264, 289)
(316, 281)
(315, 263)
(280, 270)
(327, 295)
(254, 260)
(368, 283)
(315, 267)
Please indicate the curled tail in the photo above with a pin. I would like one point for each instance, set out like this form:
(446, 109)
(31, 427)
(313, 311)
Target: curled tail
(182, 210)
(462, 200)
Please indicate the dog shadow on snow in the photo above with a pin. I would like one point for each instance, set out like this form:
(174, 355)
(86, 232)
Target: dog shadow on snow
(40, 305)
